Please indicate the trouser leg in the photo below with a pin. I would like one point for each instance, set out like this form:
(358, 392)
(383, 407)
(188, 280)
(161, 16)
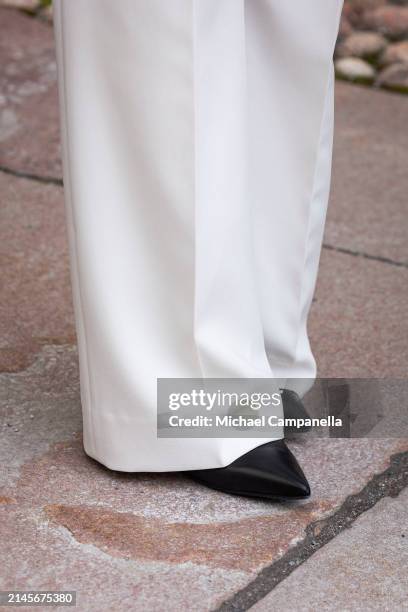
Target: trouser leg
(166, 195)
(290, 96)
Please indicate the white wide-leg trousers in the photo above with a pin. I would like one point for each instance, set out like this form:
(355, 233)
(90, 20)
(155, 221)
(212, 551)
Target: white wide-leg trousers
(197, 139)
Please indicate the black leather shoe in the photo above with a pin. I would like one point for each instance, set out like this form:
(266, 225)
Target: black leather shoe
(293, 408)
(269, 471)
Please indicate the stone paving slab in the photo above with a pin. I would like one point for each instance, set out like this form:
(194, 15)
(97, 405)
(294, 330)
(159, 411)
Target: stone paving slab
(36, 305)
(39, 408)
(363, 568)
(369, 204)
(51, 558)
(70, 523)
(358, 323)
(29, 134)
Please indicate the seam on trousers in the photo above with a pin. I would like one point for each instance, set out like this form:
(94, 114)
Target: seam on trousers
(248, 167)
(195, 148)
(77, 295)
(328, 78)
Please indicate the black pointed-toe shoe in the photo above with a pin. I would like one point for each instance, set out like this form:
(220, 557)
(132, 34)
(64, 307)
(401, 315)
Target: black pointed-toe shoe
(269, 471)
(293, 408)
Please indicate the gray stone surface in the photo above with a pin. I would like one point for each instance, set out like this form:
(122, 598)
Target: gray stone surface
(29, 133)
(357, 323)
(50, 557)
(368, 207)
(70, 523)
(364, 568)
(150, 534)
(36, 304)
(39, 408)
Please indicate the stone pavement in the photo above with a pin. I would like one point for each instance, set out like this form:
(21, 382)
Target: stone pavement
(161, 542)
(364, 568)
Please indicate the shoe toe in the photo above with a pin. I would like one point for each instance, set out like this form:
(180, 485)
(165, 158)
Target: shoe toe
(269, 471)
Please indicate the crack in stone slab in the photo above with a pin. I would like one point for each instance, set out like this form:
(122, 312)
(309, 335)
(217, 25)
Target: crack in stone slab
(52, 180)
(354, 253)
(48, 180)
(387, 484)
